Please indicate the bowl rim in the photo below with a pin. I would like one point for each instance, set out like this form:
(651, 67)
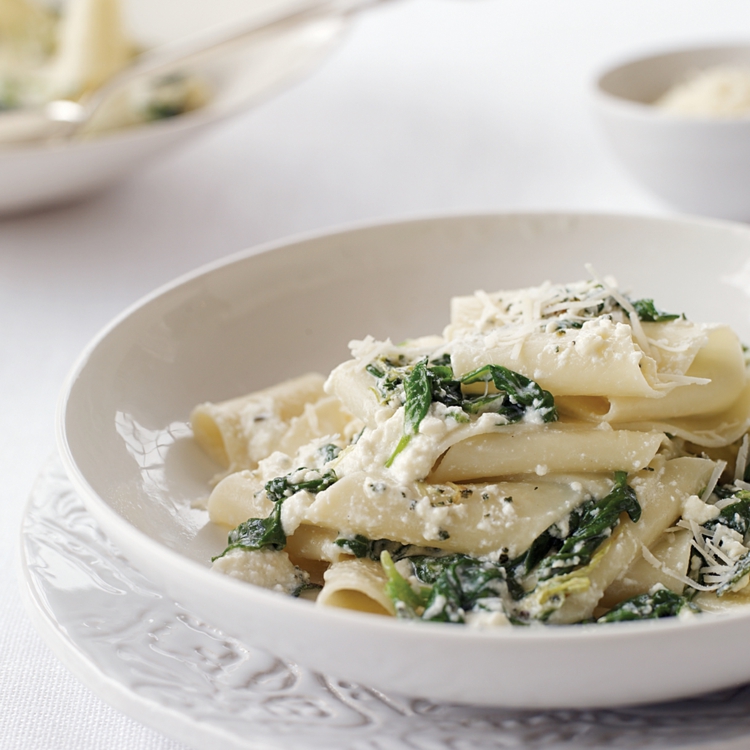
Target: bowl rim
(161, 555)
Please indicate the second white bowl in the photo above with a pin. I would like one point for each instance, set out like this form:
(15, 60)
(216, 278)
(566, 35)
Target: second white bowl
(697, 164)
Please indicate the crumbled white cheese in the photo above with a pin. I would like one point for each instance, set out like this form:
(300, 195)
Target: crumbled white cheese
(694, 509)
(729, 542)
(277, 464)
(433, 517)
(436, 608)
(294, 509)
(269, 568)
(262, 426)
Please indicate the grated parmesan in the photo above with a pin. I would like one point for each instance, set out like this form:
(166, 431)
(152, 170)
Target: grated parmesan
(722, 91)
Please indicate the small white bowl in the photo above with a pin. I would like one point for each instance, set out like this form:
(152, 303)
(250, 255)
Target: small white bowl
(699, 165)
(41, 175)
(258, 317)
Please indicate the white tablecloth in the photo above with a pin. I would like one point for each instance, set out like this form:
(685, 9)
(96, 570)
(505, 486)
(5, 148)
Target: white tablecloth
(429, 106)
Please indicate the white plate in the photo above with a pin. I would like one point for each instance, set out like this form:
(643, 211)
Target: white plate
(162, 665)
(256, 318)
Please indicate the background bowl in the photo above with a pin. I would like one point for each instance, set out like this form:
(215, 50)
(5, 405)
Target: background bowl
(44, 174)
(259, 317)
(699, 165)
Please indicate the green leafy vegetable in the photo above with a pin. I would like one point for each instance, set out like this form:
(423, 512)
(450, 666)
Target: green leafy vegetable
(280, 488)
(722, 574)
(455, 585)
(408, 602)
(741, 569)
(735, 516)
(418, 395)
(659, 603)
(357, 545)
(435, 383)
(516, 395)
(257, 533)
(595, 522)
(360, 546)
(460, 586)
(647, 312)
(529, 587)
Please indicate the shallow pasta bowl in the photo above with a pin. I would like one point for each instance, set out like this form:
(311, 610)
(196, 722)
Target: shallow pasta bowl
(272, 313)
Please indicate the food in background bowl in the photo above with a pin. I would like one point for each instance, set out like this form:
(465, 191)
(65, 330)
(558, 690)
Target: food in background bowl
(37, 170)
(699, 164)
(436, 480)
(721, 91)
(52, 55)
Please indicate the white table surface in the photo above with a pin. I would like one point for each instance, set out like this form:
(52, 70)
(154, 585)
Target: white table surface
(429, 106)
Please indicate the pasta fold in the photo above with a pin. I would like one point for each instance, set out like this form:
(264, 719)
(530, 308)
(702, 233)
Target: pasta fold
(555, 448)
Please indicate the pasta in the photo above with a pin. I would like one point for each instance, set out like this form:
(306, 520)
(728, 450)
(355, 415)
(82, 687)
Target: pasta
(560, 454)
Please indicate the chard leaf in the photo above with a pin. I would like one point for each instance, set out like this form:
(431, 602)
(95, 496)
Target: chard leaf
(462, 583)
(735, 516)
(455, 584)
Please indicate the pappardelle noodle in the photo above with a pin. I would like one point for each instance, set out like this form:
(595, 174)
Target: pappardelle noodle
(560, 454)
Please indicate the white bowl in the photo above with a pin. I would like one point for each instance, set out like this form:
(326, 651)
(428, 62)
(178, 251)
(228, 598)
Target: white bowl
(258, 317)
(698, 165)
(44, 174)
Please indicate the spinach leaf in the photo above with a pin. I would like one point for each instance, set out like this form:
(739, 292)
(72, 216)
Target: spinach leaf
(596, 520)
(418, 395)
(660, 603)
(360, 546)
(357, 545)
(257, 533)
(647, 312)
(516, 395)
(735, 516)
(455, 585)
(741, 569)
(462, 583)
(434, 383)
(280, 488)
